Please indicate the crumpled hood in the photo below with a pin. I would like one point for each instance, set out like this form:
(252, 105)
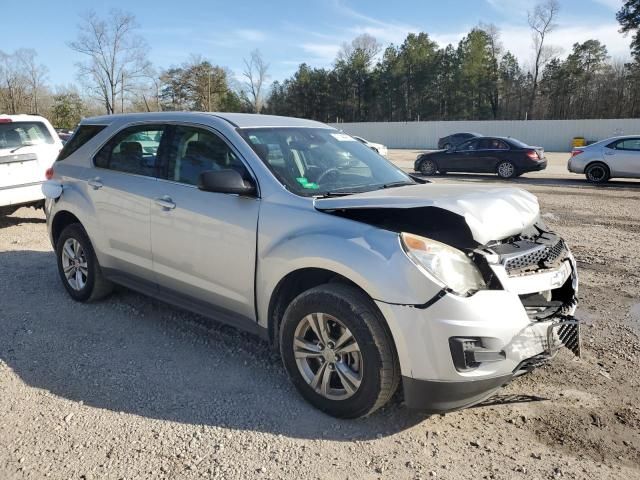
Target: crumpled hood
(492, 213)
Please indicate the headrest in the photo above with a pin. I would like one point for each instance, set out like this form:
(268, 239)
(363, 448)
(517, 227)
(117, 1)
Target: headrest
(131, 148)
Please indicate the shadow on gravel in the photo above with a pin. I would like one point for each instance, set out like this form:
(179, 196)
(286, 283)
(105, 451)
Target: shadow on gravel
(6, 222)
(138, 356)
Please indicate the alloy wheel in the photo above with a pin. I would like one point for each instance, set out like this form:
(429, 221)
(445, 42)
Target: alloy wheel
(74, 264)
(328, 356)
(428, 167)
(506, 170)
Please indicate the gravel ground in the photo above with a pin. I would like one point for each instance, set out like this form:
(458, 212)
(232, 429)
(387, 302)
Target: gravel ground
(132, 388)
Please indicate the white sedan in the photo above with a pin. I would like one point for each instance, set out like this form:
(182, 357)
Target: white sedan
(613, 157)
(377, 147)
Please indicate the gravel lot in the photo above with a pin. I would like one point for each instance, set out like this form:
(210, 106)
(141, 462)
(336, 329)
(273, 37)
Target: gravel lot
(132, 388)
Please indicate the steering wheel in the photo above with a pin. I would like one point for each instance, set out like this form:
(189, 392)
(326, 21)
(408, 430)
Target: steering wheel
(331, 171)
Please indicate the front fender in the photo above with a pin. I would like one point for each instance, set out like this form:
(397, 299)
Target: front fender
(294, 238)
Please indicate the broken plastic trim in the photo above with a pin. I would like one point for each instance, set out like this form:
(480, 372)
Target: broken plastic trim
(427, 304)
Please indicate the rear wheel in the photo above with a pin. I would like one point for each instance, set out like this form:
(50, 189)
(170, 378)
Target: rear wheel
(337, 352)
(78, 266)
(597, 173)
(506, 169)
(428, 167)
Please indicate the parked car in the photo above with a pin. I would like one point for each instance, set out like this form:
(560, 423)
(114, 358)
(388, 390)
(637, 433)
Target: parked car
(360, 276)
(454, 139)
(376, 147)
(507, 157)
(28, 147)
(613, 157)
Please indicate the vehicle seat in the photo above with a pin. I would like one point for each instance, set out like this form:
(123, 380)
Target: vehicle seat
(198, 158)
(131, 153)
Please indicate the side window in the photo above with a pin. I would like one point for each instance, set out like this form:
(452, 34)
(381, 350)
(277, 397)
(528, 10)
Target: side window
(195, 150)
(80, 137)
(133, 150)
(493, 144)
(468, 145)
(629, 144)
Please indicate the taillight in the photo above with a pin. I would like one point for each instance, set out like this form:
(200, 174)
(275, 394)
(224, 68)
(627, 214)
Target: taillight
(5, 120)
(576, 152)
(49, 173)
(533, 155)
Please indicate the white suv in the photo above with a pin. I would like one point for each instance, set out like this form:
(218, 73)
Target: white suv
(28, 147)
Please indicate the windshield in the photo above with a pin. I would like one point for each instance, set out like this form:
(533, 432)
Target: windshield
(317, 161)
(21, 134)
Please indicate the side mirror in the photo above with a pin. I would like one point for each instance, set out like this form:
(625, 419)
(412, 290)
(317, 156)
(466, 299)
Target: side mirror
(226, 181)
(451, 149)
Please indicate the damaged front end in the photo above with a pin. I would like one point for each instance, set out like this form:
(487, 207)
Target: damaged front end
(538, 266)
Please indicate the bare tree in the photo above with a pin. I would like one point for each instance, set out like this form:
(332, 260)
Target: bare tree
(364, 45)
(256, 75)
(117, 56)
(541, 22)
(34, 73)
(14, 83)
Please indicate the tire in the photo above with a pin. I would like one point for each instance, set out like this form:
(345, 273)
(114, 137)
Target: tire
(597, 173)
(428, 167)
(90, 285)
(371, 368)
(506, 169)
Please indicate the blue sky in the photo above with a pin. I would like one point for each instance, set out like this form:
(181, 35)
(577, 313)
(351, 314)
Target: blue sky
(289, 32)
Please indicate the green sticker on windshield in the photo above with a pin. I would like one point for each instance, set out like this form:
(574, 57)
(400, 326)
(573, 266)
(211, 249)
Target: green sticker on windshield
(307, 184)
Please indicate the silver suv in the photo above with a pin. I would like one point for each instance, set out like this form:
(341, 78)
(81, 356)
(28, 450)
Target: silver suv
(362, 276)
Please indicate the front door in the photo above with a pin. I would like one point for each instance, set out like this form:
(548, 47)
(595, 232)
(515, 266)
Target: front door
(462, 158)
(121, 188)
(204, 243)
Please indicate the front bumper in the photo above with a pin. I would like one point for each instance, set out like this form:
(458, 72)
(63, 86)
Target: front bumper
(510, 339)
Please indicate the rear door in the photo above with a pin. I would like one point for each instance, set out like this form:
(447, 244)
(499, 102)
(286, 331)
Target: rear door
(27, 149)
(121, 189)
(204, 243)
(623, 157)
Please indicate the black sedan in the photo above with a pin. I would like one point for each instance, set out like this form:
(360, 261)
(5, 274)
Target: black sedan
(507, 157)
(454, 139)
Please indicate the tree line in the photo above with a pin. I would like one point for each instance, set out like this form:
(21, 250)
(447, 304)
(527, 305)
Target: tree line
(477, 79)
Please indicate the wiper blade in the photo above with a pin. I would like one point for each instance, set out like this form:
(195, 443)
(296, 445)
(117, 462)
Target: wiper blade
(401, 183)
(336, 194)
(21, 146)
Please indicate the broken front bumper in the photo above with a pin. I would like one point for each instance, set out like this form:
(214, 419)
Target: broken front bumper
(457, 351)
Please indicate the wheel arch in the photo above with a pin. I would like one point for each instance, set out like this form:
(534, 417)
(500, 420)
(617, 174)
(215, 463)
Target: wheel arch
(293, 284)
(61, 220)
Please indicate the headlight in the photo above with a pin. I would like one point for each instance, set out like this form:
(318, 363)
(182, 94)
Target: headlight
(448, 265)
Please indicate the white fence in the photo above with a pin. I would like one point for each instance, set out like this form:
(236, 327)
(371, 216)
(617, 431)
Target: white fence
(553, 135)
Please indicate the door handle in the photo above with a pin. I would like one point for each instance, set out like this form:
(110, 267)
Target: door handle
(95, 183)
(609, 153)
(165, 202)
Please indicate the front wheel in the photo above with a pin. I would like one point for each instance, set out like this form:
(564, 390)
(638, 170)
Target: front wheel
(78, 266)
(506, 169)
(337, 352)
(428, 167)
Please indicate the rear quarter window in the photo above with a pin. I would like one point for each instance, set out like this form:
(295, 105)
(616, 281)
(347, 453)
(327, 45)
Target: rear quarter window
(79, 138)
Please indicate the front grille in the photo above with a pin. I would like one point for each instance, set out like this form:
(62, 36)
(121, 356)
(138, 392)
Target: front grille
(535, 257)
